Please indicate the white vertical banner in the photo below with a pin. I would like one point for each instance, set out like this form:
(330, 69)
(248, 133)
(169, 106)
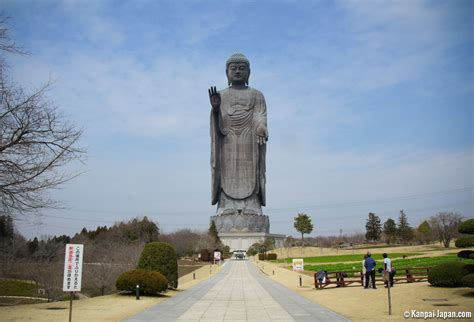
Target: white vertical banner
(73, 268)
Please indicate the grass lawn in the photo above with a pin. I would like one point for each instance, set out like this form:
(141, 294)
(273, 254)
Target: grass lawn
(188, 266)
(18, 288)
(343, 258)
(397, 263)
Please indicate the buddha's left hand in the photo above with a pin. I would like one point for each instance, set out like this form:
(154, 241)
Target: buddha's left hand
(262, 135)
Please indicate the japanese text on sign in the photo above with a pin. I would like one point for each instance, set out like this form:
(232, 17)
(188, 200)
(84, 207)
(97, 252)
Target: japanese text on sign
(73, 268)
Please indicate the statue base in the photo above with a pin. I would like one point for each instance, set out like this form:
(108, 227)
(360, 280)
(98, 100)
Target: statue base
(240, 231)
(241, 223)
(242, 240)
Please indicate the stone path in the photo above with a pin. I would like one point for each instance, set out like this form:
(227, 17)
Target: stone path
(239, 292)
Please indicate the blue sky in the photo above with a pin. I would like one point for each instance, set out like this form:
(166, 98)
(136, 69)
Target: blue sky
(369, 106)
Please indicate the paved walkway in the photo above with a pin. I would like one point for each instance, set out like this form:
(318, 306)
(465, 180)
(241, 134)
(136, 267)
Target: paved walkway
(239, 292)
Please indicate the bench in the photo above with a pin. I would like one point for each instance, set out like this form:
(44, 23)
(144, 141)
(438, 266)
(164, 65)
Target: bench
(346, 278)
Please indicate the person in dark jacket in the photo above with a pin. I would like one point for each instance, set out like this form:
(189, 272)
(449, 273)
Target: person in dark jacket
(370, 270)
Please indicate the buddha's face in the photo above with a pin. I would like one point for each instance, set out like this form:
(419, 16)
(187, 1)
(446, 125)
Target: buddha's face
(238, 73)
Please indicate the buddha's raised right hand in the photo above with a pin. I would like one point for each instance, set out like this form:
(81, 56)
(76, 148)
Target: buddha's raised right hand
(215, 99)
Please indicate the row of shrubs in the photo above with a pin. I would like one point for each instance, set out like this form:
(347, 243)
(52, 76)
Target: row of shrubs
(268, 257)
(156, 272)
(452, 274)
(467, 228)
(455, 274)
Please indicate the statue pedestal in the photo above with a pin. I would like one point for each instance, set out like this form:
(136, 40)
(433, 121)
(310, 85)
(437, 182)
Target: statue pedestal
(243, 240)
(241, 223)
(240, 231)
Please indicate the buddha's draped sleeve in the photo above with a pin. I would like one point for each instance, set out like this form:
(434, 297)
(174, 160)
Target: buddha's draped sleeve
(215, 153)
(261, 120)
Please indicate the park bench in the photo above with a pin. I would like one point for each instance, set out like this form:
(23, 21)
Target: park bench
(346, 278)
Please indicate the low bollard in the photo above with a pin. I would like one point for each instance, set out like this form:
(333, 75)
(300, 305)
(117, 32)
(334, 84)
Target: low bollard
(301, 282)
(137, 292)
(194, 276)
(273, 272)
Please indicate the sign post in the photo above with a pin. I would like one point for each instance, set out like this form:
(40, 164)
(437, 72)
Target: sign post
(217, 257)
(298, 264)
(72, 271)
(387, 280)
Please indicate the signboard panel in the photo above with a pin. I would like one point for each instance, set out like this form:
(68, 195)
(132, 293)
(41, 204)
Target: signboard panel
(73, 268)
(298, 264)
(217, 256)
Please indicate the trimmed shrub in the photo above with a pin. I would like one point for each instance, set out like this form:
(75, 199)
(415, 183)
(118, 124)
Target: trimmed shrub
(466, 253)
(268, 257)
(271, 256)
(465, 242)
(448, 274)
(469, 268)
(467, 227)
(161, 257)
(150, 282)
(468, 280)
(205, 255)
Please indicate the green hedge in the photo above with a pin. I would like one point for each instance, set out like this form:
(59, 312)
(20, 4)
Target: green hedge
(161, 257)
(448, 274)
(271, 256)
(268, 257)
(467, 227)
(468, 280)
(150, 282)
(465, 242)
(466, 254)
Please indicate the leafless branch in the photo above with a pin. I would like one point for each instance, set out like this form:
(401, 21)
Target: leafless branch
(35, 142)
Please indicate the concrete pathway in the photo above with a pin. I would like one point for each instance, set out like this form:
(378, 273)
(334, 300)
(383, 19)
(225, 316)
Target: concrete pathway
(239, 292)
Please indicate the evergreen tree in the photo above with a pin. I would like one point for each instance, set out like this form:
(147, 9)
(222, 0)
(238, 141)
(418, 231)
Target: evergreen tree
(213, 233)
(303, 225)
(390, 230)
(7, 228)
(33, 245)
(404, 231)
(373, 227)
(425, 231)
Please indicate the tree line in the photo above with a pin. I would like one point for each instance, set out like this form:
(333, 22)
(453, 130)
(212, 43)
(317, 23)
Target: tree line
(442, 227)
(108, 252)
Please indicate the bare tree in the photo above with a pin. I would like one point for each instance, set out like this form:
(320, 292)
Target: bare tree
(102, 276)
(35, 142)
(45, 266)
(445, 226)
(184, 241)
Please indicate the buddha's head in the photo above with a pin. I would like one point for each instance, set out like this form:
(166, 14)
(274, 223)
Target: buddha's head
(237, 69)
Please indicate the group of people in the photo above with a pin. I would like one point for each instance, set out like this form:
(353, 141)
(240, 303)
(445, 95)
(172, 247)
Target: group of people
(368, 270)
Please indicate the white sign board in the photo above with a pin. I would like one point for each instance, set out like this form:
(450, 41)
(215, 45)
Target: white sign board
(217, 256)
(298, 264)
(73, 268)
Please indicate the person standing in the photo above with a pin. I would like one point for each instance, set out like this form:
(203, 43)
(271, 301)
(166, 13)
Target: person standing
(387, 266)
(364, 271)
(369, 265)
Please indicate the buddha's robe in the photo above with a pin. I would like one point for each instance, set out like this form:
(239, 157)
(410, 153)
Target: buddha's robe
(237, 160)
